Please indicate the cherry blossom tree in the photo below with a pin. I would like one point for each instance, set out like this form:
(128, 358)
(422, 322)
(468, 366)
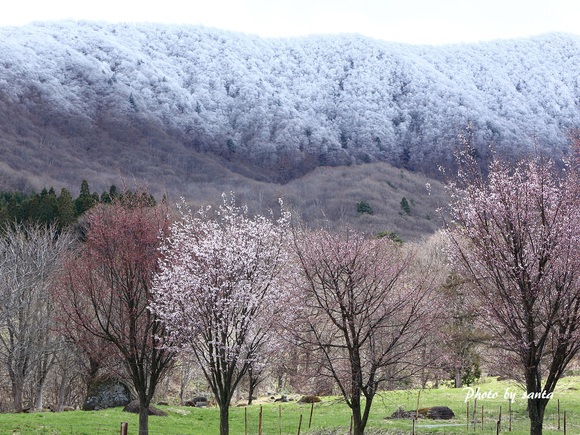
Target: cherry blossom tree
(515, 236)
(220, 289)
(107, 286)
(364, 312)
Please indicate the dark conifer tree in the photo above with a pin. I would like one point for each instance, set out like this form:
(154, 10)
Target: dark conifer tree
(66, 209)
(47, 208)
(85, 200)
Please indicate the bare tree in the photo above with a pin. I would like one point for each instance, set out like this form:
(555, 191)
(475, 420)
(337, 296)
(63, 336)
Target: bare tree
(516, 238)
(83, 356)
(460, 334)
(29, 256)
(363, 313)
(67, 377)
(186, 372)
(457, 337)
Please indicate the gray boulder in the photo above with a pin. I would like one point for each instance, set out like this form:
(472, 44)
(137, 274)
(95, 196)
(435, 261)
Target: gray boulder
(133, 407)
(434, 413)
(107, 394)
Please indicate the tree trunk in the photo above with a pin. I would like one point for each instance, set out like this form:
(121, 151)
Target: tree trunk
(224, 419)
(360, 418)
(536, 400)
(253, 383)
(280, 381)
(250, 392)
(358, 423)
(60, 398)
(367, 411)
(458, 380)
(165, 388)
(358, 427)
(40, 396)
(17, 396)
(143, 417)
(42, 375)
(536, 408)
(17, 385)
(181, 394)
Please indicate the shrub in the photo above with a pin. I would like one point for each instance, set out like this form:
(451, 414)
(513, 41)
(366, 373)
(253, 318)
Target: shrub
(391, 235)
(405, 205)
(364, 207)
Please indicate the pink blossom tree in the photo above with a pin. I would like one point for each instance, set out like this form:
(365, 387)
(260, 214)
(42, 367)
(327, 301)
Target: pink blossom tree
(515, 236)
(365, 312)
(106, 289)
(220, 289)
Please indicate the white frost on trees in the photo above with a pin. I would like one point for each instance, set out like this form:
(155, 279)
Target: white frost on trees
(333, 99)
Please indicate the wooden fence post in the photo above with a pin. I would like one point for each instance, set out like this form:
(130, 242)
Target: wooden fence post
(417, 409)
(299, 424)
(124, 427)
(510, 415)
(280, 418)
(467, 416)
(564, 422)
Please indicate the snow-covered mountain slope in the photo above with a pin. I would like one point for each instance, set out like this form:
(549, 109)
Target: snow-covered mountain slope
(285, 105)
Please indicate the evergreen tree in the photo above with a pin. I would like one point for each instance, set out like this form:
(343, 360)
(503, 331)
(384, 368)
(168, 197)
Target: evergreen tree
(405, 205)
(85, 200)
(46, 207)
(364, 207)
(41, 208)
(12, 206)
(66, 209)
(113, 191)
(106, 198)
(4, 215)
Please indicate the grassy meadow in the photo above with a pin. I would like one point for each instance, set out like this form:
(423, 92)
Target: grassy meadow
(331, 416)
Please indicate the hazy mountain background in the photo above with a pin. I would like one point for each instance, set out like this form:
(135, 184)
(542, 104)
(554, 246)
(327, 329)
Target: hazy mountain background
(194, 111)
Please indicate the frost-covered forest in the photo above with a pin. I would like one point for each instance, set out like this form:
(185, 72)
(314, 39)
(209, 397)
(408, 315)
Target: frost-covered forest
(138, 96)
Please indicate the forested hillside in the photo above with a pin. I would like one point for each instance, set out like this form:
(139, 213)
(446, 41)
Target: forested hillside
(140, 99)
(193, 111)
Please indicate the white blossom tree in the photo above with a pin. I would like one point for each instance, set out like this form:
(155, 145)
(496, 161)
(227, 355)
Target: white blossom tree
(516, 238)
(220, 289)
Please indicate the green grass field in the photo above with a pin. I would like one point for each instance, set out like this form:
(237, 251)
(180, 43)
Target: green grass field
(331, 416)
